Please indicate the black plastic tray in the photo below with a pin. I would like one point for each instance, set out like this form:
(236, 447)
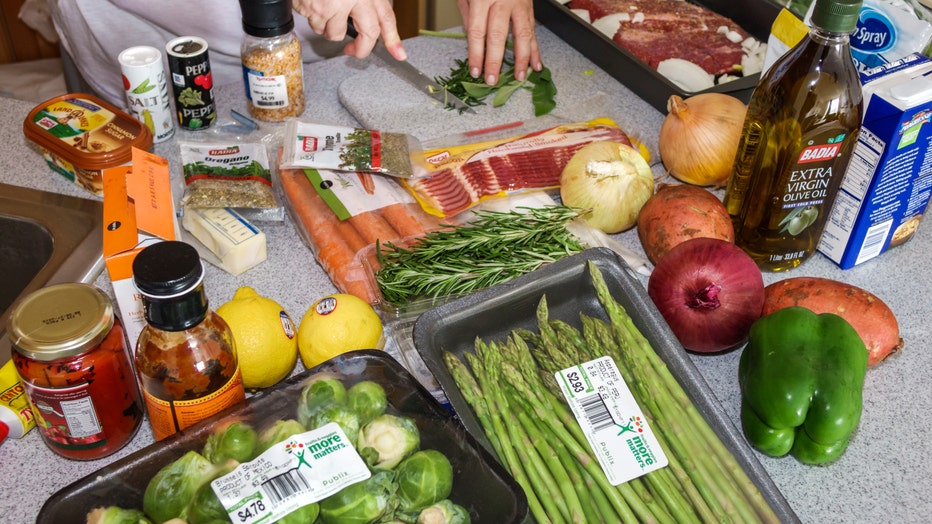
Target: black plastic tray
(480, 484)
(754, 16)
(493, 313)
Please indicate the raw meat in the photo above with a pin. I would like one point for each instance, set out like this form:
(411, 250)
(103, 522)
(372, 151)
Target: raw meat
(655, 30)
(533, 161)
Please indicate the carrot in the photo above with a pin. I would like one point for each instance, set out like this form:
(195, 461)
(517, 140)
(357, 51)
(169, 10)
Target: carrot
(367, 183)
(372, 226)
(409, 219)
(337, 243)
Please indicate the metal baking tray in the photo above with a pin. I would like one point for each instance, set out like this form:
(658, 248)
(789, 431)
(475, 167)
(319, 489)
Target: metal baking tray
(493, 313)
(480, 484)
(754, 16)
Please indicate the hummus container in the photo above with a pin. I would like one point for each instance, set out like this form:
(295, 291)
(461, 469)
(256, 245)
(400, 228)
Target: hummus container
(80, 135)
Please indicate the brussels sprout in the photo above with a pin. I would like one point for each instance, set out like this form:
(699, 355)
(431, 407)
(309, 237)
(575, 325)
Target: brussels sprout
(444, 512)
(360, 503)
(236, 441)
(367, 399)
(116, 515)
(319, 394)
(205, 507)
(345, 417)
(385, 441)
(303, 515)
(277, 432)
(423, 478)
(170, 490)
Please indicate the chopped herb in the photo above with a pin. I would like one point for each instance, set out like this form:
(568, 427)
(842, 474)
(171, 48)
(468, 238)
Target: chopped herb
(474, 91)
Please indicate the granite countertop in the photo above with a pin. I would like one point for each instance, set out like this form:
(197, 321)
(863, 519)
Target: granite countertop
(884, 476)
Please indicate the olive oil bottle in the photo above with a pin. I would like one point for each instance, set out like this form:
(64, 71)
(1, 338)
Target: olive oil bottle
(801, 126)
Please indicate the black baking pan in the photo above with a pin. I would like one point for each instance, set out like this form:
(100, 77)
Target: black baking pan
(480, 484)
(754, 16)
(493, 313)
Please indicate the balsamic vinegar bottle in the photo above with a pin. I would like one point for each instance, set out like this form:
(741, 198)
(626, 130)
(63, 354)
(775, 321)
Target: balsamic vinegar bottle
(800, 130)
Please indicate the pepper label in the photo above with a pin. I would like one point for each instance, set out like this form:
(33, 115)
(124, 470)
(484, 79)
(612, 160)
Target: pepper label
(66, 416)
(610, 418)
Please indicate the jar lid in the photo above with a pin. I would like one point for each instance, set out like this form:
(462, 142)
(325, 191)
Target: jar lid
(59, 321)
(267, 18)
(167, 269)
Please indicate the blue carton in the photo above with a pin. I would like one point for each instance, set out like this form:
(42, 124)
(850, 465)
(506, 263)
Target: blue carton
(887, 185)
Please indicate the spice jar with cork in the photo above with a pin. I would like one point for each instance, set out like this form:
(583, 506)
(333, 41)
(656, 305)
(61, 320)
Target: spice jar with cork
(271, 56)
(185, 355)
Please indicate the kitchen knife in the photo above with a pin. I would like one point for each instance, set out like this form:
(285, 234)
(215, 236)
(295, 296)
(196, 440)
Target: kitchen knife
(411, 75)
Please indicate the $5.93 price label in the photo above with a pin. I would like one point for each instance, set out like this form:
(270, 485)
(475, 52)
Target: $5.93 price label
(298, 471)
(609, 416)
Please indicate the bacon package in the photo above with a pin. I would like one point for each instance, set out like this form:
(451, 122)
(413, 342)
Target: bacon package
(464, 175)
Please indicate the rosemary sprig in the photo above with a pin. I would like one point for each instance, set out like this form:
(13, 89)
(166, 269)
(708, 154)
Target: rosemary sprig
(494, 247)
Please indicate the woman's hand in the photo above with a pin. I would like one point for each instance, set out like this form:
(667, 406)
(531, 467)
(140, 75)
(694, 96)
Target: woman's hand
(487, 25)
(371, 18)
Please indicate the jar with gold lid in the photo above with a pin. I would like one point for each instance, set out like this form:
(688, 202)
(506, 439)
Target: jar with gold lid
(70, 352)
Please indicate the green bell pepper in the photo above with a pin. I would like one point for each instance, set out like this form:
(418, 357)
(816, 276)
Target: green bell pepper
(801, 377)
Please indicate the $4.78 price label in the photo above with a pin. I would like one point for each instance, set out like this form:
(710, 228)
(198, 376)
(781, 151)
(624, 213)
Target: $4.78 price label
(298, 471)
(609, 416)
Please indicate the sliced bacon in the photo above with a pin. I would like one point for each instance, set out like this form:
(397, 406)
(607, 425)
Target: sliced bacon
(532, 161)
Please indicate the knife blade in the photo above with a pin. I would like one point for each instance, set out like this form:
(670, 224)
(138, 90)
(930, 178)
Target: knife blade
(413, 76)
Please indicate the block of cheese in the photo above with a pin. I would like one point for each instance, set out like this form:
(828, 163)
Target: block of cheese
(237, 243)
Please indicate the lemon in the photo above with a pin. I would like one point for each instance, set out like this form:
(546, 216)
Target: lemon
(264, 334)
(336, 324)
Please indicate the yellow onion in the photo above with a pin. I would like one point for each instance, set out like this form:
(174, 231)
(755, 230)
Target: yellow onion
(611, 181)
(699, 137)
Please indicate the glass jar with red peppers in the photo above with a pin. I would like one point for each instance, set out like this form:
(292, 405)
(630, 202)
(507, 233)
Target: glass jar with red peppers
(70, 351)
(185, 355)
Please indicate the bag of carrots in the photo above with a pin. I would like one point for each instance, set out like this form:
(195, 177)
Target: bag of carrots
(341, 215)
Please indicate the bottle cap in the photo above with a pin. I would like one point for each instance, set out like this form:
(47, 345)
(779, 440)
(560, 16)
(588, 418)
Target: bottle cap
(267, 18)
(170, 275)
(836, 16)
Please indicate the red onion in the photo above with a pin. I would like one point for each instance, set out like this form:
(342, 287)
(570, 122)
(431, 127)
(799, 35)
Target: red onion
(709, 291)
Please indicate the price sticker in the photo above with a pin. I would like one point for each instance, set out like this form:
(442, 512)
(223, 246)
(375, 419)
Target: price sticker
(298, 471)
(614, 425)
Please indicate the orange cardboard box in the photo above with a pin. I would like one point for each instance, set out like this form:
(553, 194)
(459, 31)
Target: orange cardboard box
(138, 211)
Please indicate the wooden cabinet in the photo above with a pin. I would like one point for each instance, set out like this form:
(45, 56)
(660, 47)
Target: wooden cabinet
(18, 42)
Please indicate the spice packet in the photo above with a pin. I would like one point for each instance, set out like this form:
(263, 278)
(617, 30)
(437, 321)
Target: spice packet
(342, 148)
(228, 174)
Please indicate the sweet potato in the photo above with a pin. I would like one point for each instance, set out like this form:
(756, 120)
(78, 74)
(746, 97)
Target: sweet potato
(679, 212)
(866, 313)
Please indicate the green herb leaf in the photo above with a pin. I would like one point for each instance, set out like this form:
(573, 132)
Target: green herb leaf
(544, 93)
(504, 93)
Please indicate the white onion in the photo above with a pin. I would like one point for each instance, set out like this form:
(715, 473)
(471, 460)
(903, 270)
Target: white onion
(610, 180)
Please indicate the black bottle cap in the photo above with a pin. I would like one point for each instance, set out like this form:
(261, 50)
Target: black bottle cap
(169, 275)
(267, 18)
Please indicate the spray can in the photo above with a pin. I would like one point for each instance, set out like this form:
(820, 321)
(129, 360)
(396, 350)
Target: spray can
(147, 90)
(192, 82)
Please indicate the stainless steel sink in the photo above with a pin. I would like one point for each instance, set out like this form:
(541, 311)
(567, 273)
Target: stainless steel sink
(45, 238)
